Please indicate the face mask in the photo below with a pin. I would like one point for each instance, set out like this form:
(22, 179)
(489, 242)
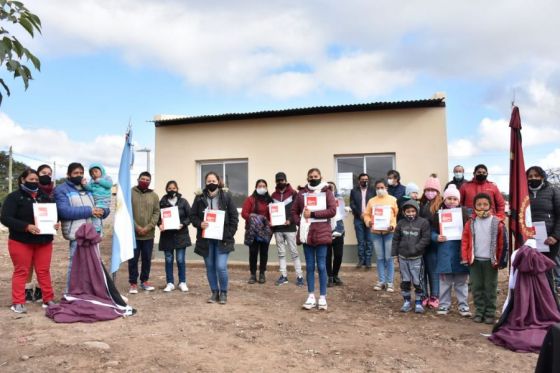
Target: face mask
(430, 195)
(261, 191)
(363, 184)
(171, 193)
(391, 182)
(33, 187)
(76, 180)
(281, 186)
(45, 180)
(381, 192)
(212, 187)
(458, 176)
(482, 213)
(410, 217)
(143, 185)
(535, 183)
(314, 182)
(481, 178)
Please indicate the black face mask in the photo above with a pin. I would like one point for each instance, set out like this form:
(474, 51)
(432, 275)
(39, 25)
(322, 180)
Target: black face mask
(363, 184)
(281, 186)
(212, 187)
(171, 193)
(76, 180)
(45, 180)
(481, 177)
(31, 186)
(410, 217)
(314, 182)
(535, 183)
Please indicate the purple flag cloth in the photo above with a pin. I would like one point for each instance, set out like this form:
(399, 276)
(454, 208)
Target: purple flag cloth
(91, 294)
(533, 308)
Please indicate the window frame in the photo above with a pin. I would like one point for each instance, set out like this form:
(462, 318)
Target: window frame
(364, 157)
(223, 162)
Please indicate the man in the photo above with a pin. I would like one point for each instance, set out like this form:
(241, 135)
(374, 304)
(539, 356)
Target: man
(285, 235)
(395, 189)
(458, 177)
(359, 196)
(145, 211)
(480, 184)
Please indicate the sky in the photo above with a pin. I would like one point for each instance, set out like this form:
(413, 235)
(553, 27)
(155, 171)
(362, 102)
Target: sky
(108, 63)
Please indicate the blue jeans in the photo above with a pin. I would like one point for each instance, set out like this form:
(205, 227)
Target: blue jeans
(143, 250)
(72, 248)
(319, 254)
(385, 267)
(431, 278)
(180, 265)
(365, 243)
(216, 268)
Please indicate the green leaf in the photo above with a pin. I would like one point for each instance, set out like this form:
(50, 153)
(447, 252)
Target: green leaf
(18, 47)
(13, 65)
(28, 26)
(5, 86)
(34, 60)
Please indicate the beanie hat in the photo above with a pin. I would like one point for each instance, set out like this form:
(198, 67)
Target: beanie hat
(280, 176)
(411, 188)
(433, 183)
(452, 191)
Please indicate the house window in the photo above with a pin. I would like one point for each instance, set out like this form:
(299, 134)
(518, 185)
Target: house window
(234, 174)
(349, 167)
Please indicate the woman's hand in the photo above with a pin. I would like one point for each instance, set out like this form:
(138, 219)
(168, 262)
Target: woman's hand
(391, 228)
(306, 213)
(204, 225)
(32, 229)
(57, 226)
(161, 227)
(441, 238)
(550, 241)
(97, 212)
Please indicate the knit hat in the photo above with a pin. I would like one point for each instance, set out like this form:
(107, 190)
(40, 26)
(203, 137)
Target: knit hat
(452, 191)
(280, 176)
(433, 183)
(411, 188)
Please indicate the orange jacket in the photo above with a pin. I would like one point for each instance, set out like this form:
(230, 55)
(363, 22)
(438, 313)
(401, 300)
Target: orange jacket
(498, 254)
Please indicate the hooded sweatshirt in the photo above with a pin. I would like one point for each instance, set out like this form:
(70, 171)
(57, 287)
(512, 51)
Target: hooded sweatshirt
(100, 188)
(411, 237)
(287, 196)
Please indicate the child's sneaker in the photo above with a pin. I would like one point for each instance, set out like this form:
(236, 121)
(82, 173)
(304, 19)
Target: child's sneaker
(433, 302)
(322, 305)
(38, 295)
(49, 304)
(379, 286)
(28, 295)
(299, 282)
(390, 288)
(183, 287)
(442, 310)
(18, 308)
(281, 280)
(418, 307)
(146, 286)
(465, 312)
(425, 302)
(406, 307)
(310, 302)
(133, 289)
(169, 287)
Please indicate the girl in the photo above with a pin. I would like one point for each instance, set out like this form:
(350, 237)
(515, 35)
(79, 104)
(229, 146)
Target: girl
(334, 250)
(215, 252)
(175, 241)
(315, 232)
(382, 238)
(257, 230)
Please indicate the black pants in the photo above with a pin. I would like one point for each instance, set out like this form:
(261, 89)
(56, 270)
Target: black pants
(334, 261)
(254, 250)
(144, 251)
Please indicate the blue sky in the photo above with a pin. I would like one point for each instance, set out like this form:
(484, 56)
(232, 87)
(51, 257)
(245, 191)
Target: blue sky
(104, 63)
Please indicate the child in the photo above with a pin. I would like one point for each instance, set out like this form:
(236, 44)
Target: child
(451, 273)
(100, 187)
(411, 193)
(411, 238)
(483, 248)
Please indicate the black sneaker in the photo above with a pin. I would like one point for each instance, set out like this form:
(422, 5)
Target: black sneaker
(262, 278)
(213, 298)
(337, 281)
(38, 296)
(252, 279)
(28, 295)
(330, 282)
(299, 282)
(281, 280)
(223, 297)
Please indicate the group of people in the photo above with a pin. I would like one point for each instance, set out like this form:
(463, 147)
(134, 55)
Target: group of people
(430, 264)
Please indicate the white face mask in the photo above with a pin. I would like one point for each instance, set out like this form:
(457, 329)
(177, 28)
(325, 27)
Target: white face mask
(261, 191)
(458, 175)
(381, 192)
(391, 182)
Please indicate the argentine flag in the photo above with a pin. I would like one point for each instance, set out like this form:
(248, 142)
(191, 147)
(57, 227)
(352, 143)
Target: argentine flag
(124, 239)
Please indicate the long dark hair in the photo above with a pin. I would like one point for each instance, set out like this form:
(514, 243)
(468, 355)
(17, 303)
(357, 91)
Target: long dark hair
(220, 182)
(265, 196)
(25, 173)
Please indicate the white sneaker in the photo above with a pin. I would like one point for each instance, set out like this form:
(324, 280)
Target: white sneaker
(390, 288)
(322, 305)
(169, 287)
(133, 289)
(183, 286)
(310, 303)
(379, 286)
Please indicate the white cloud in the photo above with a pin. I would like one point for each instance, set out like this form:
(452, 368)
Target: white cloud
(552, 160)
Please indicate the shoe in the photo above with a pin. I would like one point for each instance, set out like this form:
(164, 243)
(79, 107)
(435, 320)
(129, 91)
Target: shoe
(359, 266)
(299, 282)
(281, 280)
(477, 319)
(38, 295)
(48, 304)
(465, 312)
(390, 288)
(406, 307)
(337, 281)
(433, 302)
(442, 310)
(418, 307)
(169, 287)
(146, 286)
(310, 303)
(223, 297)
(133, 289)
(28, 295)
(330, 282)
(262, 278)
(252, 279)
(489, 320)
(18, 308)
(183, 286)
(379, 286)
(425, 302)
(367, 267)
(214, 297)
(322, 305)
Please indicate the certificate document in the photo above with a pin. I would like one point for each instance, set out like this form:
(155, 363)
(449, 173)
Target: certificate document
(277, 213)
(541, 236)
(340, 209)
(46, 217)
(215, 220)
(315, 202)
(170, 218)
(381, 217)
(451, 223)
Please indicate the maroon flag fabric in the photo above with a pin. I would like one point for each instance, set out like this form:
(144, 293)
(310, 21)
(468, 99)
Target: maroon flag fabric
(520, 225)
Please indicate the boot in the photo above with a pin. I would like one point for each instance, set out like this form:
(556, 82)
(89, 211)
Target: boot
(223, 297)
(330, 282)
(337, 281)
(214, 297)
(262, 278)
(252, 279)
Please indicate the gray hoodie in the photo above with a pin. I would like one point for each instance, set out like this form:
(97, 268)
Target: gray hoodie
(411, 237)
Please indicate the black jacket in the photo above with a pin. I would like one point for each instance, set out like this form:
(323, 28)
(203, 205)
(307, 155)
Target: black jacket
(176, 239)
(17, 214)
(225, 203)
(411, 238)
(356, 200)
(545, 206)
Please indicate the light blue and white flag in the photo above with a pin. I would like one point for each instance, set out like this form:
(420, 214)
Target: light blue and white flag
(124, 239)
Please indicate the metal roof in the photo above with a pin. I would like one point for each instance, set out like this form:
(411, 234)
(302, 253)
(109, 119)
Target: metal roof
(373, 106)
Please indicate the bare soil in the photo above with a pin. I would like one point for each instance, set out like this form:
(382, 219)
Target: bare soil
(261, 329)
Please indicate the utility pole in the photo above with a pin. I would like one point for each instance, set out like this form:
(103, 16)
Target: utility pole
(54, 173)
(147, 151)
(10, 163)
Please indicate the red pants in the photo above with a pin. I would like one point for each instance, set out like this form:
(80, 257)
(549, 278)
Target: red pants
(23, 256)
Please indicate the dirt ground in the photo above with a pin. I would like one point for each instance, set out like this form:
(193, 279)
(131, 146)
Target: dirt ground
(261, 329)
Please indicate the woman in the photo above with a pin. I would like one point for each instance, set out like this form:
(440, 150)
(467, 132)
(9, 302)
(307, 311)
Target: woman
(257, 229)
(430, 203)
(382, 236)
(215, 252)
(336, 247)
(312, 210)
(27, 246)
(175, 241)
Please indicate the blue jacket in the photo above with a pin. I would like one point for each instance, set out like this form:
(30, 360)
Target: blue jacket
(449, 252)
(100, 188)
(397, 191)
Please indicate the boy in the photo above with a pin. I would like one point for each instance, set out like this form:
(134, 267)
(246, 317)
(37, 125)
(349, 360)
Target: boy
(484, 247)
(412, 236)
(100, 187)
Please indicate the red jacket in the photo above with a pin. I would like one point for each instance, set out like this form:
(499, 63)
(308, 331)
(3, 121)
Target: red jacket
(499, 253)
(319, 233)
(470, 189)
(249, 208)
